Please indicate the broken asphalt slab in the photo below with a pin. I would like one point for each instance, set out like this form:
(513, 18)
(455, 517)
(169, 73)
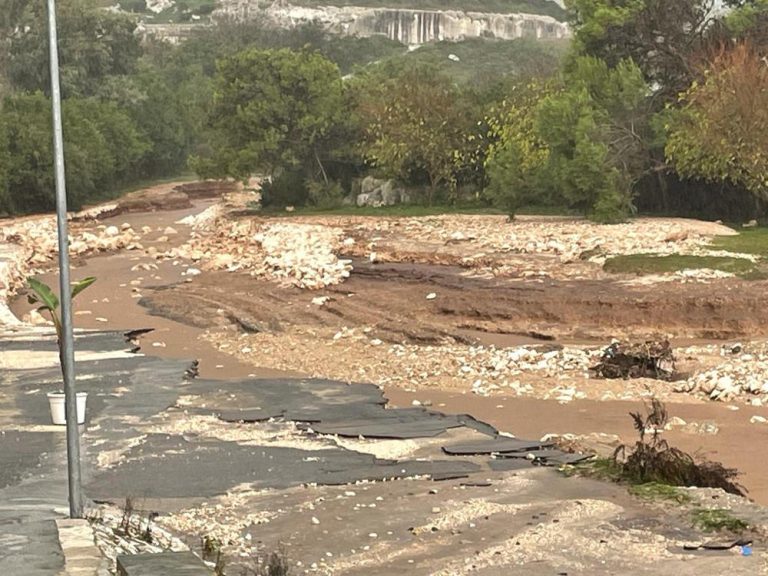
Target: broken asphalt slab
(329, 407)
(164, 466)
(500, 444)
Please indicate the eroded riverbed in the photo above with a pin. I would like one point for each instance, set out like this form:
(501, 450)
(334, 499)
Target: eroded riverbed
(383, 326)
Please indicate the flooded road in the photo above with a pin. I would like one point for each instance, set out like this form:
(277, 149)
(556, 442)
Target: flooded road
(125, 278)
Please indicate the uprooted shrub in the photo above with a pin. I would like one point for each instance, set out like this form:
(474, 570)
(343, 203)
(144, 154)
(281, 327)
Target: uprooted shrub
(651, 359)
(652, 459)
(275, 563)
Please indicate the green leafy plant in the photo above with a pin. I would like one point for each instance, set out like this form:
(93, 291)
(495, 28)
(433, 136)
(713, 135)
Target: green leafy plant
(43, 294)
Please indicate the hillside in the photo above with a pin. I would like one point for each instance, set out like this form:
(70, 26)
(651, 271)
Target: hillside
(200, 11)
(543, 7)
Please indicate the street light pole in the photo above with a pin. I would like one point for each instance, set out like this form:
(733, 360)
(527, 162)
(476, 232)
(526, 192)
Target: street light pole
(66, 345)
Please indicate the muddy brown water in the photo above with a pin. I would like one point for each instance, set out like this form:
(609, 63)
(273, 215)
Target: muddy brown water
(111, 304)
(738, 444)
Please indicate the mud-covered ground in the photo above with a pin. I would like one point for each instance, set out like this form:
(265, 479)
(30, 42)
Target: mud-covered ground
(467, 314)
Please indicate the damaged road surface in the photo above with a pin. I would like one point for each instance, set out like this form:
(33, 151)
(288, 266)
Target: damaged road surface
(324, 468)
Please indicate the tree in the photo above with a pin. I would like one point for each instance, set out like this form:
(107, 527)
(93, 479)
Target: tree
(94, 45)
(517, 154)
(721, 132)
(9, 17)
(168, 105)
(415, 127)
(597, 130)
(748, 20)
(662, 37)
(101, 146)
(273, 111)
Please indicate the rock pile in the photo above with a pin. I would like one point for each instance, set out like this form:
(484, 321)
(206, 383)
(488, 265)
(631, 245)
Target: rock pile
(376, 193)
(742, 375)
(299, 254)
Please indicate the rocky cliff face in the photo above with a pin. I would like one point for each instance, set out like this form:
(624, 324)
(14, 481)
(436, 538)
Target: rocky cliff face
(410, 27)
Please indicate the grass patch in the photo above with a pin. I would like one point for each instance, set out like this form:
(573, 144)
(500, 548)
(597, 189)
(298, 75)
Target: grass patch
(641, 264)
(718, 519)
(657, 491)
(752, 241)
(598, 468)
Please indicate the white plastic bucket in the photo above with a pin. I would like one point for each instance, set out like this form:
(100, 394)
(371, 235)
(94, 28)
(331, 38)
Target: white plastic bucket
(58, 414)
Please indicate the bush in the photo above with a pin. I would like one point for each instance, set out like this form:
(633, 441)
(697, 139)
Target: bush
(325, 194)
(287, 189)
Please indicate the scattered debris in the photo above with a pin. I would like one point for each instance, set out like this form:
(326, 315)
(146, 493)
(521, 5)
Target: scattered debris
(651, 359)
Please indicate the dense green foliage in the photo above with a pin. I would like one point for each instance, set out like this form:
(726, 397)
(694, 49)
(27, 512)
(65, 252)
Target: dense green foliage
(126, 116)
(656, 104)
(273, 111)
(417, 127)
(654, 92)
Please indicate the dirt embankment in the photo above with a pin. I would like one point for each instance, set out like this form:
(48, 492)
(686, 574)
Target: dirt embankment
(419, 303)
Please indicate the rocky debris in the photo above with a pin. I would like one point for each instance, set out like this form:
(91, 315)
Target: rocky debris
(599, 443)
(223, 520)
(130, 531)
(565, 238)
(28, 245)
(703, 274)
(302, 255)
(533, 247)
(490, 370)
(699, 428)
(546, 371)
(742, 374)
(205, 219)
(651, 359)
(376, 193)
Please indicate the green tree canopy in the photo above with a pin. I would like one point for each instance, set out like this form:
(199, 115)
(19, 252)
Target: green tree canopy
(94, 45)
(721, 132)
(101, 146)
(517, 153)
(417, 127)
(273, 110)
(597, 131)
(662, 37)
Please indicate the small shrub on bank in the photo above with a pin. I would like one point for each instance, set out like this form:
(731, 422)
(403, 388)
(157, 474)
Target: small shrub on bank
(652, 459)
